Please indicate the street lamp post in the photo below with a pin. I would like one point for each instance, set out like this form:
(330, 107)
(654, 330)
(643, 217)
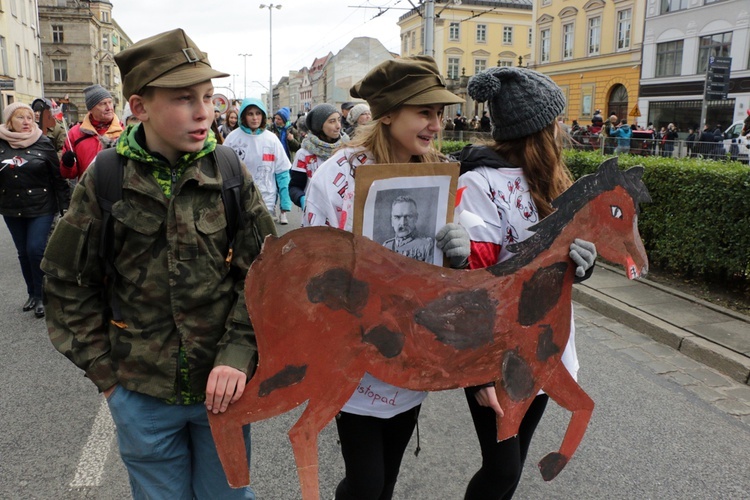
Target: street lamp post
(244, 89)
(270, 8)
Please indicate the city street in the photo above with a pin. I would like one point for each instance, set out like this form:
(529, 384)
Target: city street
(655, 433)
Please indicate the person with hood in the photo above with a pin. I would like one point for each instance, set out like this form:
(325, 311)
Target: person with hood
(323, 138)
(358, 115)
(283, 129)
(405, 119)
(99, 130)
(623, 135)
(264, 156)
(510, 184)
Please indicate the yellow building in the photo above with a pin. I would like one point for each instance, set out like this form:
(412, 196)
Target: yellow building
(592, 49)
(470, 36)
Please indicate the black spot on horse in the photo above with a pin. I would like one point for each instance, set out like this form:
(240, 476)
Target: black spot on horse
(518, 379)
(463, 320)
(289, 375)
(388, 342)
(338, 289)
(546, 347)
(541, 293)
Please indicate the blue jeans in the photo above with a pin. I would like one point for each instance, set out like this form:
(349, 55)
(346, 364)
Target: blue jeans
(30, 237)
(168, 449)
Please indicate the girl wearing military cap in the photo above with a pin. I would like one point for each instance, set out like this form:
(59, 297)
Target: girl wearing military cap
(406, 97)
(510, 183)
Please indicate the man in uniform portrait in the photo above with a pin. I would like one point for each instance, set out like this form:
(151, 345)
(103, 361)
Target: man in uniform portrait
(404, 217)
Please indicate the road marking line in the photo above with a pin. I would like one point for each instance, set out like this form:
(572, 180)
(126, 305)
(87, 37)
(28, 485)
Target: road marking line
(95, 453)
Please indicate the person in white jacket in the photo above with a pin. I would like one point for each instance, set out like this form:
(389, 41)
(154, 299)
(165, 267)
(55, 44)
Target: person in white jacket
(375, 425)
(262, 153)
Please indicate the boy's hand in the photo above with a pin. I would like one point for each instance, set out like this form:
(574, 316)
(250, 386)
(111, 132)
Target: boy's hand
(225, 385)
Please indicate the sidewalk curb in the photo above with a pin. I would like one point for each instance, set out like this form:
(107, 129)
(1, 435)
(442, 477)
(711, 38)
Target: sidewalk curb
(720, 358)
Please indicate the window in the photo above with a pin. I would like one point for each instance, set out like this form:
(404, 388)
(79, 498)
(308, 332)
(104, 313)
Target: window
(23, 11)
(107, 76)
(57, 33)
(669, 58)
(32, 12)
(507, 35)
(719, 44)
(18, 60)
(505, 64)
(673, 5)
(453, 64)
(479, 65)
(62, 3)
(624, 19)
(105, 41)
(481, 33)
(421, 37)
(404, 43)
(595, 35)
(567, 41)
(59, 70)
(4, 55)
(105, 17)
(544, 45)
(28, 64)
(13, 8)
(454, 32)
(531, 34)
(36, 68)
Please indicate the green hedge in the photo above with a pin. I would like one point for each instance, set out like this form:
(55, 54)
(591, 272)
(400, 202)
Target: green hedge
(448, 147)
(698, 223)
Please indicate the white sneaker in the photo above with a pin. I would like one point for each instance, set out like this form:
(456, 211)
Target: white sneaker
(283, 219)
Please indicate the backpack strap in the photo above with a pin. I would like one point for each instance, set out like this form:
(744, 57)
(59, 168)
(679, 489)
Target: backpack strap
(232, 177)
(110, 169)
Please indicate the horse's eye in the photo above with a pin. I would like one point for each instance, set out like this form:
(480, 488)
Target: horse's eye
(616, 211)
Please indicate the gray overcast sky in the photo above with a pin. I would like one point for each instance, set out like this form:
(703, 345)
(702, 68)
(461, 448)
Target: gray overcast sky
(302, 30)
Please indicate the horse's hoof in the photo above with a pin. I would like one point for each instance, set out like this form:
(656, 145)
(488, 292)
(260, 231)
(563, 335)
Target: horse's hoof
(551, 465)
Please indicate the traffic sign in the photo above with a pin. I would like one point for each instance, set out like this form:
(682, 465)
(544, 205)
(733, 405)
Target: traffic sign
(636, 112)
(717, 78)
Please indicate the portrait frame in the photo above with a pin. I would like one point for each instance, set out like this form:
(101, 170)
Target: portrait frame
(432, 187)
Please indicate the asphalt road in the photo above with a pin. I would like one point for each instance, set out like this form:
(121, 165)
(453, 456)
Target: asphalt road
(653, 434)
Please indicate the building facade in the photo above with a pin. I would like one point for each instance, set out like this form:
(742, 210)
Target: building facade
(470, 36)
(79, 39)
(20, 61)
(680, 38)
(592, 50)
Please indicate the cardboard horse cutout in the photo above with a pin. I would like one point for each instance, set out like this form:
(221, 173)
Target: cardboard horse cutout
(347, 305)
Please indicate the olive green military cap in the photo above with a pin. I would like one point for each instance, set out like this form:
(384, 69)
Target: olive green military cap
(410, 80)
(167, 60)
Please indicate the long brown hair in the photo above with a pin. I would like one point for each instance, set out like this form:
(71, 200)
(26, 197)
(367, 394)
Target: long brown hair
(540, 156)
(375, 137)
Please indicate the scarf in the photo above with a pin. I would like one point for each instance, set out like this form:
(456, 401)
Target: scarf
(20, 140)
(321, 148)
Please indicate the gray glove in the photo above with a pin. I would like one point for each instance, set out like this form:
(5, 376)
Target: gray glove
(583, 254)
(453, 240)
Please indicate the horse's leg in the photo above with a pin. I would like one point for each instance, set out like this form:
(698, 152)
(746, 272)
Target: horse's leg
(513, 413)
(304, 434)
(567, 393)
(226, 427)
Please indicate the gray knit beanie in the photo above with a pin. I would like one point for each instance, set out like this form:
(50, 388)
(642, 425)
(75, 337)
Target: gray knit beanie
(521, 101)
(318, 116)
(94, 95)
(356, 111)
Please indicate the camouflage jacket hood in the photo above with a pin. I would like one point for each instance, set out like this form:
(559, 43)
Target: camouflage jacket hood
(173, 285)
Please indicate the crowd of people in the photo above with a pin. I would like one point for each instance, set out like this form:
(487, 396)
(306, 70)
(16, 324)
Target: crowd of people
(145, 290)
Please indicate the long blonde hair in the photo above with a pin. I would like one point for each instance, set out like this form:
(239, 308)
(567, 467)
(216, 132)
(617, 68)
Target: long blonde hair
(375, 137)
(540, 157)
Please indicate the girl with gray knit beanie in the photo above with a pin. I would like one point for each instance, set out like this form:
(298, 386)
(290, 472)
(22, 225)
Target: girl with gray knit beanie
(324, 137)
(509, 184)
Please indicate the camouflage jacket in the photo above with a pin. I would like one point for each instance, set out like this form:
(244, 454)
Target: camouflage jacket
(173, 286)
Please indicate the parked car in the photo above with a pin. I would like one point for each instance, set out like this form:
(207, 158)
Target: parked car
(736, 145)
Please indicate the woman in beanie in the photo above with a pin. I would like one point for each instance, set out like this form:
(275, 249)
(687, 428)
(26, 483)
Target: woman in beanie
(323, 138)
(31, 193)
(510, 183)
(263, 155)
(358, 115)
(406, 98)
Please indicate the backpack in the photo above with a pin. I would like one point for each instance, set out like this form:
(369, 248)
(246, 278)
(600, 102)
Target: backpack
(109, 191)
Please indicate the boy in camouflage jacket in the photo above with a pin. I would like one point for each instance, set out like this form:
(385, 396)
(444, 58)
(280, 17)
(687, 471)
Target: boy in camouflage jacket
(184, 343)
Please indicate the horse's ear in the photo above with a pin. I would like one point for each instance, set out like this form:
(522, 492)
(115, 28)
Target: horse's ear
(635, 173)
(609, 165)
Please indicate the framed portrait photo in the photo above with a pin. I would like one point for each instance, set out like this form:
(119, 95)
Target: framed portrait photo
(403, 206)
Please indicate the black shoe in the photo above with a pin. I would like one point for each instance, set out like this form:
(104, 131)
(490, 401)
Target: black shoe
(29, 304)
(39, 310)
